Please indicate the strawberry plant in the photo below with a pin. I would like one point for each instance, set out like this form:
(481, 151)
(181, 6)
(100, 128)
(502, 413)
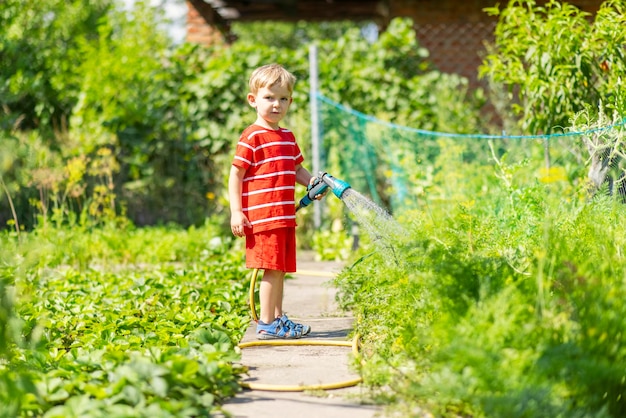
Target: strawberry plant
(146, 326)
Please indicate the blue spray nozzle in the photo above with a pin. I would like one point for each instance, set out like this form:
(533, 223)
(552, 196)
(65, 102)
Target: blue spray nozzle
(337, 186)
(322, 182)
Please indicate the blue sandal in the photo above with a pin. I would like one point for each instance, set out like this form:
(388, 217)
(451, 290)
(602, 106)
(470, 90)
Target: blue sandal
(303, 329)
(277, 329)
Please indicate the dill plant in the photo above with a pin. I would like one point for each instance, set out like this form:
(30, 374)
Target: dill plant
(505, 304)
(507, 296)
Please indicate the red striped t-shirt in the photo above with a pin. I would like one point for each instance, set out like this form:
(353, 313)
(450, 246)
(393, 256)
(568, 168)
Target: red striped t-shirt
(268, 194)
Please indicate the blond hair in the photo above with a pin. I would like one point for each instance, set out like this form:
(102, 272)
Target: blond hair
(270, 75)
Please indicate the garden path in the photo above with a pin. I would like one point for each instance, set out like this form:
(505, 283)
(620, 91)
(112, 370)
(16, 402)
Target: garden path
(309, 298)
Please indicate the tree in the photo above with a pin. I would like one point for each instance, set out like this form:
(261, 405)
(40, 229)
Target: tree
(38, 87)
(554, 61)
(558, 67)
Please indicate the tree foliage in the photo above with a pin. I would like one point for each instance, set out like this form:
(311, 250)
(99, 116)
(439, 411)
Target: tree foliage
(556, 60)
(38, 52)
(149, 127)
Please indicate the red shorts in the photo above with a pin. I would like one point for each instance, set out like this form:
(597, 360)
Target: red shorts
(272, 250)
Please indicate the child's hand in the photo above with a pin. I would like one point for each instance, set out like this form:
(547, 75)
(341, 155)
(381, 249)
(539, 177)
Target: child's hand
(311, 183)
(237, 223)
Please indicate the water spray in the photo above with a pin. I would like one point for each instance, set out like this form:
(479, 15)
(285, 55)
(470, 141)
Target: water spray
(322, 182)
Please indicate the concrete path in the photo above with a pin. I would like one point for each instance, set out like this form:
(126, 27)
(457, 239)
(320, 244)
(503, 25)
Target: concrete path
(310, 299)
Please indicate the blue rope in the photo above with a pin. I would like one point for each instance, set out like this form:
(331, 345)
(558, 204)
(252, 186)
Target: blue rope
(455, 135)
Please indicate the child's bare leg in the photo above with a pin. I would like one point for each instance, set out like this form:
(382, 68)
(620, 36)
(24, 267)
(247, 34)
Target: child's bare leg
(271, 295)
(278, 311)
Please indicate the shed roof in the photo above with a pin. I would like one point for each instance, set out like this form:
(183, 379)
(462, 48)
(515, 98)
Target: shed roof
(222, 12)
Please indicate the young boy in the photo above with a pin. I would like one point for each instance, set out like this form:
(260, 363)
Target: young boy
(261, 188)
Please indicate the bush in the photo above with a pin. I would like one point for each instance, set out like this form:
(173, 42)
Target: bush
(505, 305)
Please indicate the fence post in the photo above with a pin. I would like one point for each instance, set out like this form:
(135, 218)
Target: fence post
(315, 132)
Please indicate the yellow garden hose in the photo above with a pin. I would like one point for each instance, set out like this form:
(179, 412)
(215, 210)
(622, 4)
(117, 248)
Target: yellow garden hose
(330, 343)
(255, 273)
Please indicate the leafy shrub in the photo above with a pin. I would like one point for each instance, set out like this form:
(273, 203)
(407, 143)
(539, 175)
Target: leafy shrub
(505, 305)
(16, 382)
(169, 116)
(38, 43)
(144, 325)
(547, 82)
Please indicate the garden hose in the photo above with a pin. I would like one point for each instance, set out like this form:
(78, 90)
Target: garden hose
(255, 273)
(329, 343)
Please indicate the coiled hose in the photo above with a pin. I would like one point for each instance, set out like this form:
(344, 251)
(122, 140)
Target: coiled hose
(306, 342)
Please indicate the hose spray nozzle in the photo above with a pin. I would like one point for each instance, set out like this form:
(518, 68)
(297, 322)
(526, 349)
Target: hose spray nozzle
(322, 182)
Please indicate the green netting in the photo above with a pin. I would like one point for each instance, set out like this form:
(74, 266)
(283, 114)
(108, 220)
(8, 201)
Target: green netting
(402, 167)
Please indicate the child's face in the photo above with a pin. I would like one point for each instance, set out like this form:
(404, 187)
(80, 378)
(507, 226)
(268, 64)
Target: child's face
(271, 104)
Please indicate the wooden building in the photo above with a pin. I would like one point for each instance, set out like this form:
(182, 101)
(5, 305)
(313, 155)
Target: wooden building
(454, 31)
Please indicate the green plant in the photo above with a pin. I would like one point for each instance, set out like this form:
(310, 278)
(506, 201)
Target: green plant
(145, 325)
(16, 382)
(503, 303)
(38, 42)
(548, 82)
(145, 101)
